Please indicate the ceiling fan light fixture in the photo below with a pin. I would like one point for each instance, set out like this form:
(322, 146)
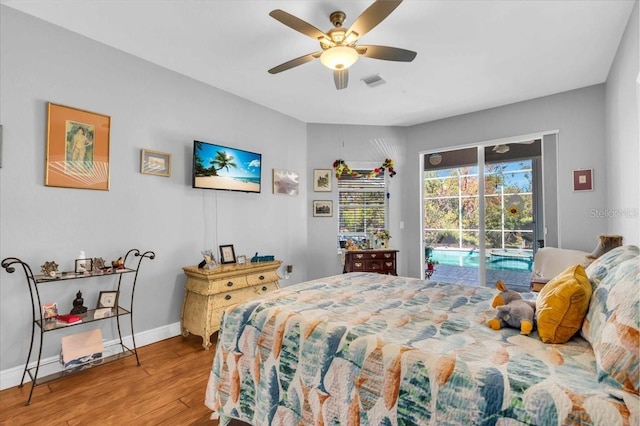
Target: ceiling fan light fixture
(501, 148)
(339, 57)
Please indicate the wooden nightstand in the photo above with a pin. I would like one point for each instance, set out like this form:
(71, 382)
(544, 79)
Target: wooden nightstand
(381, 261)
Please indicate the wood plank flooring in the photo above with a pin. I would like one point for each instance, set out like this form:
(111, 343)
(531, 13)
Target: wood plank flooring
(167, 389)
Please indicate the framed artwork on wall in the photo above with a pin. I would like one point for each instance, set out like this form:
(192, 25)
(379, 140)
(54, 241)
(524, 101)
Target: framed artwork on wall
(155, 163)
(322, 208)
(286, 182)
(583, 180)
(322, 180)
(77, 148)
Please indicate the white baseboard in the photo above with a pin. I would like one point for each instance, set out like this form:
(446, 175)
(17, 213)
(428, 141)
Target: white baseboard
(11, 377)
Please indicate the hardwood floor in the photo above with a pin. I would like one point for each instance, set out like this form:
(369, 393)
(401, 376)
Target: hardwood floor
(167, 389)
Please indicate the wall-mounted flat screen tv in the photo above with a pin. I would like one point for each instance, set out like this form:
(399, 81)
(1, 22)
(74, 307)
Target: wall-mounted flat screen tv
(225, 168)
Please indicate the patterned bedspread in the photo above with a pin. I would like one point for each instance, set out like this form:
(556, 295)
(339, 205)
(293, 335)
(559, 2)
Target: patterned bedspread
(371, 349)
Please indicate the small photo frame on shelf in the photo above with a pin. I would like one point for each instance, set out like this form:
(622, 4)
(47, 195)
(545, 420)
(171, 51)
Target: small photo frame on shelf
(83, 266)
(102, 313)
(241, 259)
(107, 299)
(583, 180)
(155, 163)
(77, 148)
(49, 310)
(286, 182)
(227, 254)
(322, 180)
(322, 208)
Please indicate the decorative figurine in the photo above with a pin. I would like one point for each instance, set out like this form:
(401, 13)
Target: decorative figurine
(78, 307)
(118, 264)
(49, 269)
(98, 265)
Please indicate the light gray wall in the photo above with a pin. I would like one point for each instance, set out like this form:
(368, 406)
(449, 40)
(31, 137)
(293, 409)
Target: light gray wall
(151, 108)
(327, 143)
(156, 109)
(579, 117)
(623, 156)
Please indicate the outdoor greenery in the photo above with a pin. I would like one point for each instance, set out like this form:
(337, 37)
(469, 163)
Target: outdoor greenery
(222, 160)
(451, 209)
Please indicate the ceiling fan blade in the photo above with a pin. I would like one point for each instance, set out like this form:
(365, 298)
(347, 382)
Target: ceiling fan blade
(298, 24)
(341, 78)
(387, 53)
(295, 62)
(372, 16)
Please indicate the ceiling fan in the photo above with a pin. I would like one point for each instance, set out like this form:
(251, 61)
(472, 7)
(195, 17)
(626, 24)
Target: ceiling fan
(339, 48)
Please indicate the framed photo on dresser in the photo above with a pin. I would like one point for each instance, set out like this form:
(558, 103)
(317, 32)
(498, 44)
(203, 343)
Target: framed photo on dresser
(227, 254)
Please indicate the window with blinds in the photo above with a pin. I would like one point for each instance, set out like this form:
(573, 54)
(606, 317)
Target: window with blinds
(362, 205)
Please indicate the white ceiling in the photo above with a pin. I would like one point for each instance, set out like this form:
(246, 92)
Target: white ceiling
(472, 55)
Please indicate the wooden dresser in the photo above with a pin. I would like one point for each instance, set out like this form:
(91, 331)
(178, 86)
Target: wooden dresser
(209, 292)
(382, 261)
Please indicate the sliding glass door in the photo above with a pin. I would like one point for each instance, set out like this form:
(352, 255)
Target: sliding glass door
(480, 233)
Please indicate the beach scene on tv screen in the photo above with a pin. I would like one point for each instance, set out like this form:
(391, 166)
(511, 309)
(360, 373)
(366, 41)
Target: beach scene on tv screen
(219, 167)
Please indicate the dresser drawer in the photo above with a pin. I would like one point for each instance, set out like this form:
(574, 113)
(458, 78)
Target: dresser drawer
(262, 277)
(232, 297)
(218, 286)
(265, 288)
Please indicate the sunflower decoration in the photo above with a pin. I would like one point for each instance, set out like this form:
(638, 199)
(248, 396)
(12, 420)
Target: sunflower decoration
(515, 203)
(341, 168)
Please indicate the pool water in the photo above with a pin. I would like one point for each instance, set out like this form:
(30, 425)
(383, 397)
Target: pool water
(496, 259)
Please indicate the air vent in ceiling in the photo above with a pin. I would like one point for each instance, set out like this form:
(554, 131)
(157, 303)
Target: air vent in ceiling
(374, 80)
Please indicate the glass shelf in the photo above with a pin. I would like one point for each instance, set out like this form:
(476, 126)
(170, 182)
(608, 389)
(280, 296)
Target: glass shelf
(87, 317)
(64, 276)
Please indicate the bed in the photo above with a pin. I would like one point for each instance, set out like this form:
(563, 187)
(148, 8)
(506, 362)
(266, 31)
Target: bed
(371, 349)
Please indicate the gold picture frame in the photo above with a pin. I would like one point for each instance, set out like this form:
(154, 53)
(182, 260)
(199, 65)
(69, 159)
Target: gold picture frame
(77, 148)
(155, 163)
(322, 180)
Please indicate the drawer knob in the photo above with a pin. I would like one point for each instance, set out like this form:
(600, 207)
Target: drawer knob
(261, 277)
(373, 255)
(359, 256)
(227, 297)
(264, 288)
(230, 284)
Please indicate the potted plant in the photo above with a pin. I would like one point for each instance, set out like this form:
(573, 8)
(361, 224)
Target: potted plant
(431, 262)
(383, 236)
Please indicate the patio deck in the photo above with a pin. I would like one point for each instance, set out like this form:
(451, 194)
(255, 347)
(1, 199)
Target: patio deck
(515, 280)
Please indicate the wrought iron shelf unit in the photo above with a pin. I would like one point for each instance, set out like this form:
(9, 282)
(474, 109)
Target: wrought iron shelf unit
(10, 264)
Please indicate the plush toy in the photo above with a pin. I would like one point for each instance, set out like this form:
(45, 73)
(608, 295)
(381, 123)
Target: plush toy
(513, 311)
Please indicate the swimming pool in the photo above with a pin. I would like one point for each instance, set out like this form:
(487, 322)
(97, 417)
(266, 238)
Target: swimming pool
(496, 259)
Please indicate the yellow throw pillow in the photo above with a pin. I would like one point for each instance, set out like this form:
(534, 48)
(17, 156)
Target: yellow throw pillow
(562, 305)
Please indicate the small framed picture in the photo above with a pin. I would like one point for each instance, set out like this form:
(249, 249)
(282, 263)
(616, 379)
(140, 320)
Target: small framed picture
(107, 299)
(49, 310)
(286, 182)
(322, 180)
(155, 163)
(102, 313)
(227, 255)
(241, 260)
(83, 265)
(322, 208)
(583, 180)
